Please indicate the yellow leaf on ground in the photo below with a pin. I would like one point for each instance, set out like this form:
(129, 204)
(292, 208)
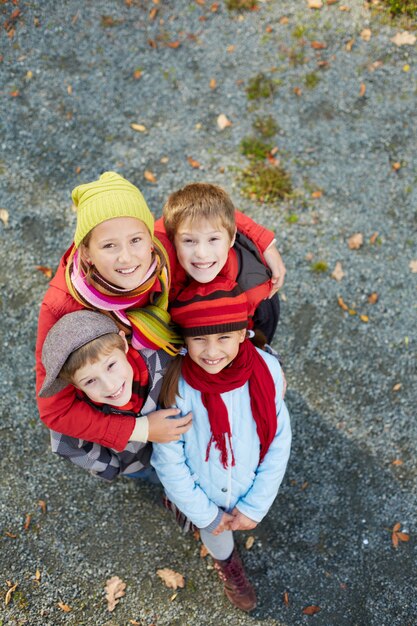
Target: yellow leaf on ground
(373, 238)
(10, 593)
(364, 318)
(396, 166)
(397, 387)
(404, 39)
(149, 176)
(231, 48)
(172, 579)
(362, 90)
(344, 7)
(342, 303)
(249, 542)
(338, 272)
(355, 241)
(373, 298)
(115, 589)
(349, 45)
(366, 34)
(4, 216)
(213, 83)
(413, 266)
(223, 121)
(140, 128)
(314, 4)
(317, 194)
(284, 20)
(397, 462)
(64, 607)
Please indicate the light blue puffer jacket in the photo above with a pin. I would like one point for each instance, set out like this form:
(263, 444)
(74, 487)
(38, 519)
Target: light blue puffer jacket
(199, 487)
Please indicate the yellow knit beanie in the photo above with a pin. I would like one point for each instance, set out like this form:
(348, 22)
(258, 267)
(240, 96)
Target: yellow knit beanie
(108, 197)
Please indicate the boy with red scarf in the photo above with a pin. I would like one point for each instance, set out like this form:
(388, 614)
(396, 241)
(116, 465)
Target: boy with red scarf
(87, 350)
(224, 473)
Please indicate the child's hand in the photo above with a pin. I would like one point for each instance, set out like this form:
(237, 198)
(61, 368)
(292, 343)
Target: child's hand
(224, 524)
(276, 265)
(241, 522)
(163, 430)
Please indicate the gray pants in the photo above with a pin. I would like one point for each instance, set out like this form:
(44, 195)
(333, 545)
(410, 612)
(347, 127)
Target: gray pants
(219, 546)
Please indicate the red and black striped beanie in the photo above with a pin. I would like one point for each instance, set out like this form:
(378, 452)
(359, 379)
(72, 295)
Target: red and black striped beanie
(219, 306)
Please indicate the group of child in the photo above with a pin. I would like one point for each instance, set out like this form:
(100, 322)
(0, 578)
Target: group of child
(153, 355)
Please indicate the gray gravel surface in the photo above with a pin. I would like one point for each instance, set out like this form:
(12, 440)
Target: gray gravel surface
(68, 99)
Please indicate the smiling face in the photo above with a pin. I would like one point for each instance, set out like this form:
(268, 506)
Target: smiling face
(121, 249)
(202, 248)
(214, 352)
(108, 380)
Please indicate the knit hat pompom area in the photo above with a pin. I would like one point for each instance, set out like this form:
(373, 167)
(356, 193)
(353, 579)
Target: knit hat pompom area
(219, 306)
(108, 197)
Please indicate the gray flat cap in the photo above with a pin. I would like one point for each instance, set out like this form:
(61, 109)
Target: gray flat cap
(69, 333)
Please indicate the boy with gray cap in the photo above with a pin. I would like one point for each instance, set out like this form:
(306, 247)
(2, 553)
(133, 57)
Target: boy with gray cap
(86, 349)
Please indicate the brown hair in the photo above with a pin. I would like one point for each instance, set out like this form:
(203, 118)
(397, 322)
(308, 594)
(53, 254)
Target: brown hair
(169, 389)
(197, 201)
(91, 352)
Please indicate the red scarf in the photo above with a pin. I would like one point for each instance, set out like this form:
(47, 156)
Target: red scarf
(247, 366)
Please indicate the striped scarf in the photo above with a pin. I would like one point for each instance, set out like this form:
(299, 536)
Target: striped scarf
(141, 312)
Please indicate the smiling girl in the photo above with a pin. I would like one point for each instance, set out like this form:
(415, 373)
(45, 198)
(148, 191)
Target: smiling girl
(117, 266)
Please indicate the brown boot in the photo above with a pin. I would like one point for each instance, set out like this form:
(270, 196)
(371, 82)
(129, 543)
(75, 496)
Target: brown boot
(236, 586)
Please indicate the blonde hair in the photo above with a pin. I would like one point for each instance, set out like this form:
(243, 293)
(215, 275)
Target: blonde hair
(91, 352)
(199, 201)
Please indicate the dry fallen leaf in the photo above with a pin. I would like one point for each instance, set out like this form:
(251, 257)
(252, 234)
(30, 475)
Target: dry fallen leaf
(137, 74)
(397, 387)
(314, 4)
(223, 121)
(397, 536)
(64, 607)
(195, 164)
(373, 238)
(28, 519)
(231, 48)
(366, 34)
(355, 241)
(349, 45)
(153, 13)
(140, 128)
(249, 542)
(317, 194)
(149, 176)
(10, 593)
(373, 298)
(397, 462)
(115, 589)
(213, 83)
(311, 610)
(46, 271)
(11, 535)
(364, 318)
(171, 579)
(318, 45)
(284, 20)
(286, 598)
(404, 39)
(173, 44)
(344, 7)
(362, 90)
(396, 166)
(4, 216)
(298, 92)
(413, 266)
(342, 303)
(42, 505)
(338, 272)
(37, 576)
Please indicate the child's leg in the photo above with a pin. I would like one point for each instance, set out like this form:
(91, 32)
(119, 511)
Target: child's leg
(230, 569)
(220, 546)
